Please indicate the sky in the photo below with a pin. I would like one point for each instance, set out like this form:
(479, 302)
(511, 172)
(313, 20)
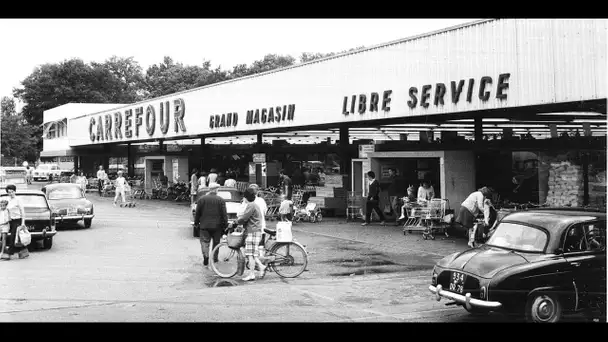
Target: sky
(29, 43)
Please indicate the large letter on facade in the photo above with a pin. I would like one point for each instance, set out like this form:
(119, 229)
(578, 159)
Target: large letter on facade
(164, 117)
(117, 125)
(99, 129)
(108, 127)
(291, 112)
(91, 132)
(139, 112)
(179, 110)
(128, 123)
(150, 120)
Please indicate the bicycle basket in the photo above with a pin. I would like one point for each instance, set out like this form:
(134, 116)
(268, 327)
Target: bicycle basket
(236, 240)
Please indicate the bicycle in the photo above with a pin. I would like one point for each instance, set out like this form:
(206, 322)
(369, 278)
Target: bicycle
(287, 259)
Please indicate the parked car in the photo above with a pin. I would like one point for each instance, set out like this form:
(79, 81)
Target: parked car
(43, 171)
(38, 218)
(539, 263)
(69, 203)
(233, 198)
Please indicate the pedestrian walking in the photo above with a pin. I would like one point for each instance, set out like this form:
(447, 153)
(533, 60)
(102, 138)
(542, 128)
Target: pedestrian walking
(211, 217)
(4, 227)
(101, 177)
(251, 219)
(202, 181)
(193, 185)
(261, 204)
(373, 198)
(286, 209)
(30, 174)
(287, 187)
(121, 186)
(82, 181)
(16, 214)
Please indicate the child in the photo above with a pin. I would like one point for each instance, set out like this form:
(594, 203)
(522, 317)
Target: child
(409, 199)
(4, 226)
(286, 208)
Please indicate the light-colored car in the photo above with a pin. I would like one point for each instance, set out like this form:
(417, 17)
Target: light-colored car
(43, 171)
(233, 198)
(69, 204)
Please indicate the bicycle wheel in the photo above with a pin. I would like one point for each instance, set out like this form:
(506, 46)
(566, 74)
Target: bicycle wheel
(227, 262)
(290, 259)
(163, 194)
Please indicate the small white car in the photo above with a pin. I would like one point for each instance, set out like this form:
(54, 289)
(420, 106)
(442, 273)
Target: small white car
(43, 170)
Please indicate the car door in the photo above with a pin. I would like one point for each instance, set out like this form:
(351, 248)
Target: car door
(586, 265)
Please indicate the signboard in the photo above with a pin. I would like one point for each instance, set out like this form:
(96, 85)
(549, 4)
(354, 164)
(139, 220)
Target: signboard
(428, 75)
(175, 169)
(365, 149)
(259, 157)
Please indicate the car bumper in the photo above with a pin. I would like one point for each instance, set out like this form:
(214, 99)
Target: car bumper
(465, 300)
(41, 235)
(74, 217)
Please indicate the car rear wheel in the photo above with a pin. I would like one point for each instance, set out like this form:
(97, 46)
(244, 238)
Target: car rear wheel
(543, 308)
(87, 223)
(47, 243)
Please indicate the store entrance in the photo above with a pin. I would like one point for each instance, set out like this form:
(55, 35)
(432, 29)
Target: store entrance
(412, 171)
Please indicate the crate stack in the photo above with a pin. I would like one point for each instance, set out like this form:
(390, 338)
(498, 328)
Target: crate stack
(332, 195)
(565, 185)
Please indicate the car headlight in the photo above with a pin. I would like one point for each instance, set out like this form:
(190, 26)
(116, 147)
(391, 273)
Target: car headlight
(483, 293)
(434, 277)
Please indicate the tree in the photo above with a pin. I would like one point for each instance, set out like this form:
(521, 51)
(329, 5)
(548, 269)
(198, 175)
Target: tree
(53, 85)
(271, 62)
(309, 56)
(128, 79)
(8, 106)
(17, 136)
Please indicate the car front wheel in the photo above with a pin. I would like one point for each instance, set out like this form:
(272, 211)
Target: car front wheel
(47, 243)
(543, 308)
(87, 223)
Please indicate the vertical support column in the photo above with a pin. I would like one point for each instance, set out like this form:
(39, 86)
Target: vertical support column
(130, 161)
(202, 155)
(162, 147)
(105, 159)
(260, 140)
(585, 162)
(345, 157)
(478, 130)
(76, 164)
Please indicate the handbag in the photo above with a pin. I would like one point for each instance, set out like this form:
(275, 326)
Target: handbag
(236, 240)
(24, 237)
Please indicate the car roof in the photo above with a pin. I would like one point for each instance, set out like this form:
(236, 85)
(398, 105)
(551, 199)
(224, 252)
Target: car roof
(555, 220)
(61, 185)
(224, 188)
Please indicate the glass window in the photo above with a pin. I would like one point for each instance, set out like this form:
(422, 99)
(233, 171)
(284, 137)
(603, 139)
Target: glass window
(67, 192)
(586, 237)
(519, 237)
(32, 201)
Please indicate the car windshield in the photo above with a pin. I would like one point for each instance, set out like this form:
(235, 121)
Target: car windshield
(32, 201)
(519, 237)
(67, 192)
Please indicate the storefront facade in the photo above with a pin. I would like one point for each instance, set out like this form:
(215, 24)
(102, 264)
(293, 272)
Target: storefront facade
(510, 69)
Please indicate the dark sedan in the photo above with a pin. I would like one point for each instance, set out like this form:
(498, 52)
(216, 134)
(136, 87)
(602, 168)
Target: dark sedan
(38, 217)
(539, 263)
(69, 204)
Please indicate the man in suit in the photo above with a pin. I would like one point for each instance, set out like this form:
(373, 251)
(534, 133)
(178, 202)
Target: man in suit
(373, 198)
(211, 218)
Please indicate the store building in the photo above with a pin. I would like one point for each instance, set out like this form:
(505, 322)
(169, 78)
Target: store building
(486, 103)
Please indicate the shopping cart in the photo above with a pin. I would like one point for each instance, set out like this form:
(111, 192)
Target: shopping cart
(108, 188)
(138, 190)
(273, 202)
(354, 205)
(427, 217)
(129, 198)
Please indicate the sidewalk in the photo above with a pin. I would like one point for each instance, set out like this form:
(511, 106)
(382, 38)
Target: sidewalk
(388, 238)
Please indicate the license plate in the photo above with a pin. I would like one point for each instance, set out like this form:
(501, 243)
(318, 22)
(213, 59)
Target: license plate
(72, 211)
(457, 282)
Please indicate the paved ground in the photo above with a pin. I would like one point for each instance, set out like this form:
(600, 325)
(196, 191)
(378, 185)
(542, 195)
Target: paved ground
(142, 264)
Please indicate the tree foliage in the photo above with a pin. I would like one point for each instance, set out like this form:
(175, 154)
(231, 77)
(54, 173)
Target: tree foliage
(18, 138)
(309, 56)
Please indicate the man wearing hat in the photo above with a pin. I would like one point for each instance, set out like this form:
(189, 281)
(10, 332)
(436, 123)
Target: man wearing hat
(211, 218)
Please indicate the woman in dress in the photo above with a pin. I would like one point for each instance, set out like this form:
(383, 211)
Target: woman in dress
(16, 214)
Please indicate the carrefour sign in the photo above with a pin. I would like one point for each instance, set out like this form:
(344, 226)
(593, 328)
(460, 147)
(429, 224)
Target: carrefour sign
(134, 123)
